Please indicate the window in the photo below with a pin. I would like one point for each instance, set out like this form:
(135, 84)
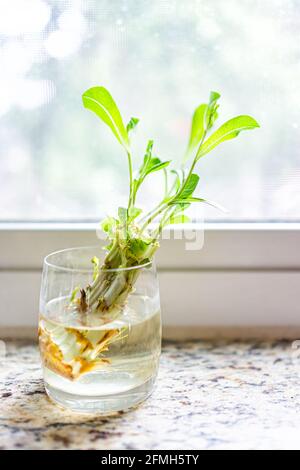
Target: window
(61, 169)
(160, 59)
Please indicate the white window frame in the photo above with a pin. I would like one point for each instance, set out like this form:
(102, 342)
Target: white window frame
(247, 275)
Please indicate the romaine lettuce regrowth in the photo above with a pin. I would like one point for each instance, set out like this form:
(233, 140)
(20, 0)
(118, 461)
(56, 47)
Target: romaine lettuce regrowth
(132, 239)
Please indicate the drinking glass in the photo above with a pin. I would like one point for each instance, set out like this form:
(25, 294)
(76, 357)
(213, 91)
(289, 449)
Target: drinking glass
(98, 362)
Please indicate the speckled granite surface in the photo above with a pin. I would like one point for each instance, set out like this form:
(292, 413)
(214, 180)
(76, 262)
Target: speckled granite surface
(209, 396)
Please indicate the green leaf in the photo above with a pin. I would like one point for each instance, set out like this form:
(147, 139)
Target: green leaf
(213, 98)
(227, 131)
(150, 164)
(147, 157)
(197, 130)
(132, 124)
(145, 168)
(212, 107)
(149, 150)
(146, 161)
(190, 186)
(210, 203)
(133, 213)
(203, 119)
(108, 225)
(100, 101)
(156, 166)
(122, 214)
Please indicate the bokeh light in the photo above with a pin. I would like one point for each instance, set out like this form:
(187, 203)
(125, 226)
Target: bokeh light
(160, 59)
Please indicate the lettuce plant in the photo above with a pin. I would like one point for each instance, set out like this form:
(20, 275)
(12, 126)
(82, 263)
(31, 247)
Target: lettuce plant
(133, 238)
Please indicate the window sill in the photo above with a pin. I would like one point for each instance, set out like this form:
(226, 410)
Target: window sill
(246, 275)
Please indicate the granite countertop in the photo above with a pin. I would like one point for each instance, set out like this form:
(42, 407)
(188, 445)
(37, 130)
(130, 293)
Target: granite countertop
(209, 395)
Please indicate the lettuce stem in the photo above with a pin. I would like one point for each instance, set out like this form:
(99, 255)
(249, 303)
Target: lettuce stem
(130, 200)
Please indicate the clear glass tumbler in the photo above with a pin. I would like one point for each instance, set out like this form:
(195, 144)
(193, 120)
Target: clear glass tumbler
(97, 363)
